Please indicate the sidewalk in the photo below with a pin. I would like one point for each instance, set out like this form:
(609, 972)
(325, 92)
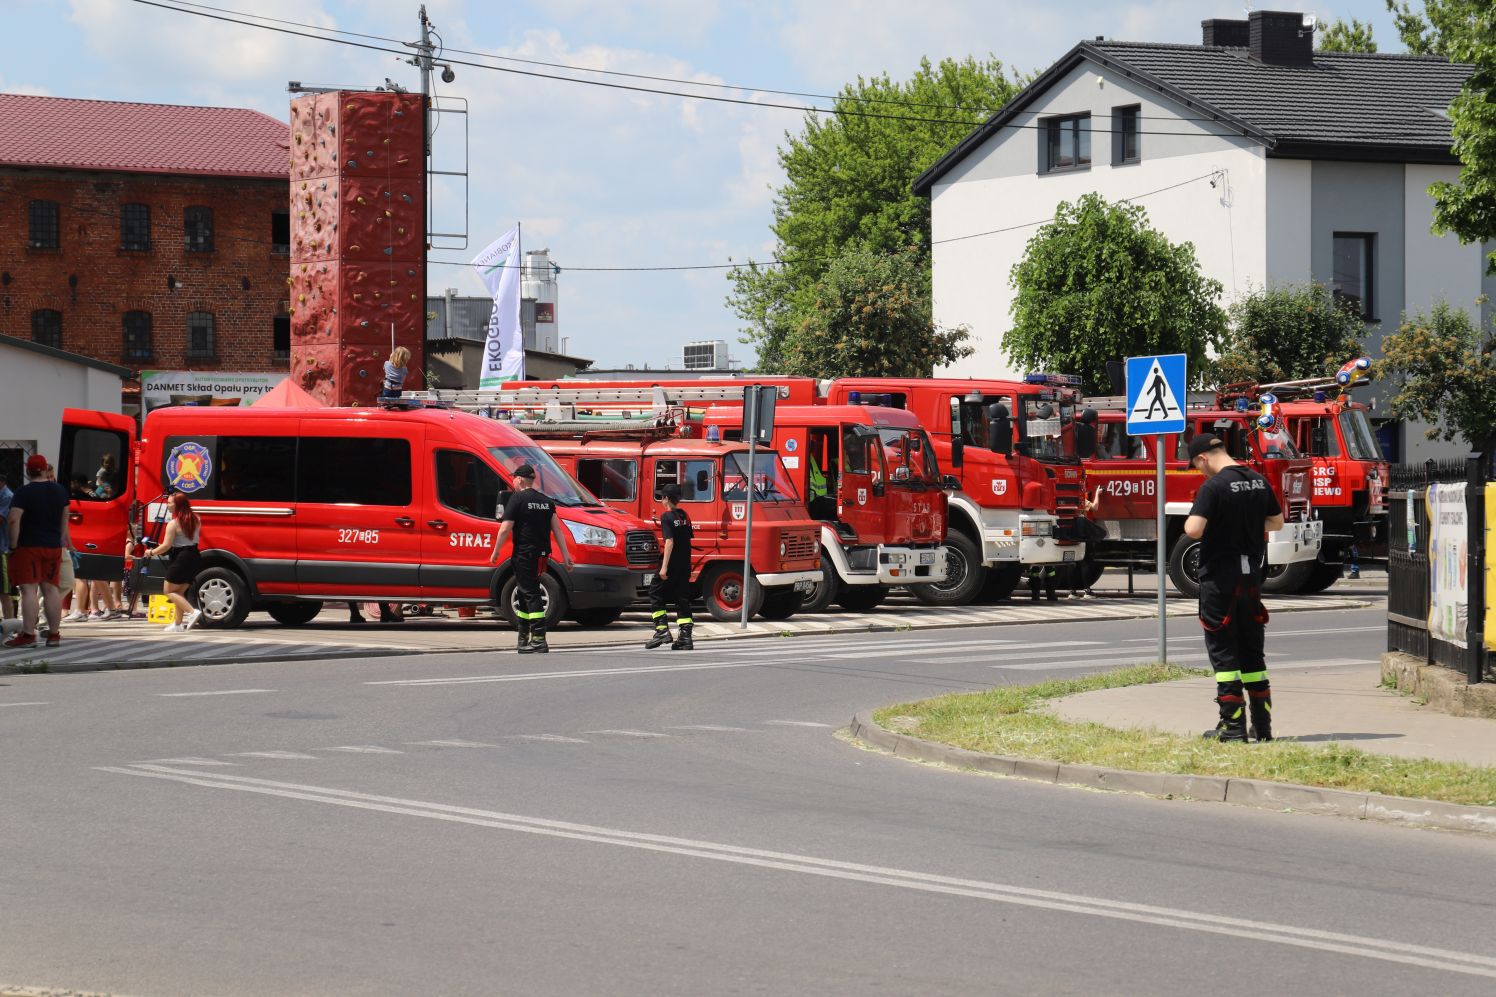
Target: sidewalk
(1345, 704)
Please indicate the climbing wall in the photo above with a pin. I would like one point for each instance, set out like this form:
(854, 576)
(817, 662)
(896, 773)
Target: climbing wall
(357, 218)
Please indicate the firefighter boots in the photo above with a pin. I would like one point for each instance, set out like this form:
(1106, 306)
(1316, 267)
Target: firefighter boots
(523, 645)
(683, 642)
(537, 640)
(661, 637)
(1261, 706)
(1233, 723)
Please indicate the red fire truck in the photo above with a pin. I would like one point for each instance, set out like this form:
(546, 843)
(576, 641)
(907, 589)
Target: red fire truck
(1122, 470)
(627, 455)
(1350, 472)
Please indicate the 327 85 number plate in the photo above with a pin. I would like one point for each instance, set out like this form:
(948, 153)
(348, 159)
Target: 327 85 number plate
(358, 536)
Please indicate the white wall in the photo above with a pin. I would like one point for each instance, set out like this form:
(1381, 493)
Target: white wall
(1437, 266)
(34, 389)
(1289, 199)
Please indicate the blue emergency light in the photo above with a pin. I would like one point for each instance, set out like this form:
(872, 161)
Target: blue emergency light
(1054, 380)
(714, 434)
(1242, 405)
(854, 398)
(1319, 396)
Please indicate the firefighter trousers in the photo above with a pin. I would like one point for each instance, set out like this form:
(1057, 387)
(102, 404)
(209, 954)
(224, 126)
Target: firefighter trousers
(664, 591)
(1235, 622)
(531, 605)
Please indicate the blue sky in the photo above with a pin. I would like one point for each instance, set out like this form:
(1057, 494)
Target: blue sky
(602, 178)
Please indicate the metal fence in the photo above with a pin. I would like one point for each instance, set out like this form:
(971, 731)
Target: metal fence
(1409, 582)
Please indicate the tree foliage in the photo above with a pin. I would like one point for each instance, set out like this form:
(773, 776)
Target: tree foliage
(1343, 37)
(848, 179)
(1099, 284)
(1287, 333)
(1462, 31)
(1445, 375)
(870, 316)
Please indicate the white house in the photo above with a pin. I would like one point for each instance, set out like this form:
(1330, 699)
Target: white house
(1279, 163)
(36, 383)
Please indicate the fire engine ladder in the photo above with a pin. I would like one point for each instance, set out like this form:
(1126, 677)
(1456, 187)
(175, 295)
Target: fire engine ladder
(644, 399)
(1287, 390)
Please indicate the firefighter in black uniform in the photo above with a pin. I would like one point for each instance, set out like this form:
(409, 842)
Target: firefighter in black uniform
(1234, 509)
(531, 516)
(673, 583)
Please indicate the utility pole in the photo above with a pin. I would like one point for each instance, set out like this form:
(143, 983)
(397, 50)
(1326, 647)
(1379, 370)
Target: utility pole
(423, 61)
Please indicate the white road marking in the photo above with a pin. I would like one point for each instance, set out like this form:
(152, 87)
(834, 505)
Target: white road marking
(271, 754)
(577, 673)
(1045, 666)
(795, 723)
(1236, 928)
(220, 692)
(366, 749)
(628, 733)
(454, 744)
(25, 704)
(961, 659)
(546, 737)
(715, 728)
(188, 761)
(1273, 634)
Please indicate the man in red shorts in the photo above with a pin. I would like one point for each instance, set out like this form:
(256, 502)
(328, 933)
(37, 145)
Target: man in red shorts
(38, 525)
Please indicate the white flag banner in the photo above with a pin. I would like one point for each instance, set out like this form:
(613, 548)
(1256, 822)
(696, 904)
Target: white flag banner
(504, 352)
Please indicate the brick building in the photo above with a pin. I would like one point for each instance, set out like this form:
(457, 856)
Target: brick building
(145, 235)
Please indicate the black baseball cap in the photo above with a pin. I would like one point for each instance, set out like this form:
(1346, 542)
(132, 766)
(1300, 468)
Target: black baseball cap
(1203, 444)
(525, 471)
(671, 492)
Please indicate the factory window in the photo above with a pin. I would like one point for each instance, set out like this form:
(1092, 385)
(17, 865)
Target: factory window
(46, 327)
(135, 226)
(197, 229)
(280, 232)
(201, 339)
(138, 336)
(44, 225)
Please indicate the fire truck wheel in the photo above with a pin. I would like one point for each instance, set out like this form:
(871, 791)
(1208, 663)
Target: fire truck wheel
(1184, 566)
(825, 591)
(1321, 577)
(293, 614)
(1002, 579)
(1090, 573)
(1282, 579)
(781, 604)
(223, 597)
(723, 591)
(552, 597)
(863, 598)
(964, 575)
(598, 617)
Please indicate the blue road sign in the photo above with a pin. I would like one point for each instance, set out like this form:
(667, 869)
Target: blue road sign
(1155, 394)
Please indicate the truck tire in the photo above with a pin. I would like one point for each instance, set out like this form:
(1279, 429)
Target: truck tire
(222, 595)
(723, 592)
(293, 614)
(964, 575)
(1321, 577)
(781, 604)
(824, 592)
(1002, 579)
(863, 598)
(1284, 579)
(598, 617)
(1090, 572)
(552, 597)
(1184, 566)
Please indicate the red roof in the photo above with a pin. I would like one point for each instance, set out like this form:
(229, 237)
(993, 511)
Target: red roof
(114, 136)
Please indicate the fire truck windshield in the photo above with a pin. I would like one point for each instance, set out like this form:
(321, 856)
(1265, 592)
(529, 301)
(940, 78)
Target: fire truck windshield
(1361, 441)
(549, 478)
(1048, 428)
(770, 482)
(908, 455)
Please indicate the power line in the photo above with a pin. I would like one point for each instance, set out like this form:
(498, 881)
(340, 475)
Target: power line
(808, 109)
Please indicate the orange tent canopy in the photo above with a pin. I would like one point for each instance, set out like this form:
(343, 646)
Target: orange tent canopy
(287, 395)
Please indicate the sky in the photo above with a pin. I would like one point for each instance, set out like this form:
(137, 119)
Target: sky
(601, 177)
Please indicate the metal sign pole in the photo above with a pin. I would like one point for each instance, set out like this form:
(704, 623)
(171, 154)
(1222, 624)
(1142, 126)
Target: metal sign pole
(1161, 564)
(750, 414)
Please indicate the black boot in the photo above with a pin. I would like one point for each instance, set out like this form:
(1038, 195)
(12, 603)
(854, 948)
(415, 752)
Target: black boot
(537, 639)
(660, 639)
(523, 645)
(1232, 726)
(1261, 706)
(354, 616)
(683, 642)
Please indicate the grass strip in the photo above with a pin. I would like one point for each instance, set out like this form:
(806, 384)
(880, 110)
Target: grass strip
(1016, 721)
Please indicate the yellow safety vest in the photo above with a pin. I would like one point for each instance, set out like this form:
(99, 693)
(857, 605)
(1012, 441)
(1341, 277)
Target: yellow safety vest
(817, 480)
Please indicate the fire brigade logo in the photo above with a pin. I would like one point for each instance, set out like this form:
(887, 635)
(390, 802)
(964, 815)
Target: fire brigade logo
(189, 468)
(739, 510)
(999, 486)
(862, 496)
(791, 445)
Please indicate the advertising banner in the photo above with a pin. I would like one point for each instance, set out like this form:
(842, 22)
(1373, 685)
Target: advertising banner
(1448, 566)
(159, 388)
(504, 348)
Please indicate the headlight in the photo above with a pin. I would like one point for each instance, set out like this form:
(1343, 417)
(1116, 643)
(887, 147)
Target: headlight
(782, 548)
(592, 536)
(1038, 529)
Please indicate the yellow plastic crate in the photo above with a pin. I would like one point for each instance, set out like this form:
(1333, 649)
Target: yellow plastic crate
(160, 610)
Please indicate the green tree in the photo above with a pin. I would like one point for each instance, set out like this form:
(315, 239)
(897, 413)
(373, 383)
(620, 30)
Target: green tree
(1287, 333)
(1099, 284)
(848, 178)
(1445, 374)
(1343, 37)
(870, 316)
(1462, 31)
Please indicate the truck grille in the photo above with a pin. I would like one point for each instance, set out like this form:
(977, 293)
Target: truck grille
(798, 546)
(1297, 511)
(1067, 498)
(642, 547)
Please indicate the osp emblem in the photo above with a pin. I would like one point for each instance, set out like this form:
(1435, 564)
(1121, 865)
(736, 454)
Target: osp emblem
(999, 486)
(189, 467)
(862, 496)
(739, 510)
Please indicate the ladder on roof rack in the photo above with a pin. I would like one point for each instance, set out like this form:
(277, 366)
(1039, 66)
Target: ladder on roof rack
(645, 398)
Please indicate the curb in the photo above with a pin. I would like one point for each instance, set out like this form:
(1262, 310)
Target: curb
(1257, 793)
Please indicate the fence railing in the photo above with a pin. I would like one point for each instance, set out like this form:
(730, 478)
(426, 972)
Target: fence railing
(1439, 567)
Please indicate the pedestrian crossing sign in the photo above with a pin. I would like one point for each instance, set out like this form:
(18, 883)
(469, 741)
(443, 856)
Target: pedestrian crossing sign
(1155, 387)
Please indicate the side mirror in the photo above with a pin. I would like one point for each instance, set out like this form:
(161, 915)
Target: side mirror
(877, 488)
(999, 429)
(703, 483)
(958, 452)
(504, 496)
(950, 483)
(1085, 440)
(1319, 439)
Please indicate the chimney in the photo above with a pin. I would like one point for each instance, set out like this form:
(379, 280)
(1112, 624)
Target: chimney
(1279, 38)
(1224, 32)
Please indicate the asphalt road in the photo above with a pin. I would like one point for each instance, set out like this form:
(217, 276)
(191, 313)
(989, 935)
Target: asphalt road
(629, 823)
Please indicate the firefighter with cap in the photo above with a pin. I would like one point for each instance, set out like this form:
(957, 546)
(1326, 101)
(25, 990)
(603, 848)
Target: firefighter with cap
(530, 517)
(673, 583)
(1234, 510)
